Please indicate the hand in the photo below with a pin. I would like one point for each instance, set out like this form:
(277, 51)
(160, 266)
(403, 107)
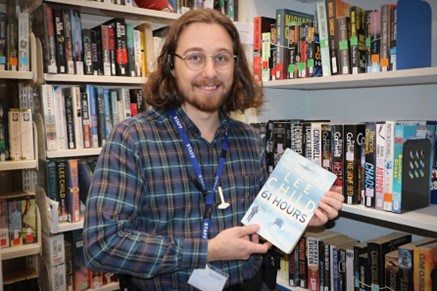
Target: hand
(329, 206)
(237, 243)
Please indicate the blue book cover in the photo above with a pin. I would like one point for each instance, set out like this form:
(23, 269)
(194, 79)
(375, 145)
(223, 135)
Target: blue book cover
(286, 203)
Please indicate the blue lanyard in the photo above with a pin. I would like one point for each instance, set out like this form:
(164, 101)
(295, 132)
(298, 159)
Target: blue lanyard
(198, 171)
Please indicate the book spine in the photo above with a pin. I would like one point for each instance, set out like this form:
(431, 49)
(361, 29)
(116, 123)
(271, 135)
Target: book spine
(3, 40)
(4, 223)
(389, 165)
(302, 63)
(308, 153)
(293, 46)
(343, 44)
(48, 105)
(137, 53)
(112, 49)
(15, 220)
(87, 51)
(393, 36)
(303, 268)
(125, 95)
(296, 137)
(103, 50)
(12, 37)
(23, 40)
(381, 133)
(337, 153)
(313, 263)
(14, 134)
(370, 164)
(281, 45)
(293, 268)
(26, 134)
(51, 179)
(392, 271)
(265, 74)
(62, 198)
(113, 97)
(384, 50)
(61, 124)
(68, 34)
(77, 41)
(316, 143)
(101, 115)
(358, 250)
(73, 190)
(94, 125)
(77, 117)
(94, 52)
(322, 22)
(107, 112)
(129, 30)
(375, 40)
(328, 267)
(121, 48)
(69, 114)
(273, 52)
(331, 16)
(311, 49)
(58, 15)
(86, 121)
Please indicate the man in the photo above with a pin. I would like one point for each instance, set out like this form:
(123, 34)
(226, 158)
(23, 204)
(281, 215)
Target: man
(152, 212)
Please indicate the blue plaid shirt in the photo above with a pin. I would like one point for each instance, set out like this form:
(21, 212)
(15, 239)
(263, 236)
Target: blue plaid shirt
(144, 213)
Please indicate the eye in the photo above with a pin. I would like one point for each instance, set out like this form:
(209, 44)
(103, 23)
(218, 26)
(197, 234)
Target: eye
(194, 58)
(223, 57)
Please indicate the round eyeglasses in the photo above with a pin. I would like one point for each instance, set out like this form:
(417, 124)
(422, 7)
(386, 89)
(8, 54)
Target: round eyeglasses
(196, 61)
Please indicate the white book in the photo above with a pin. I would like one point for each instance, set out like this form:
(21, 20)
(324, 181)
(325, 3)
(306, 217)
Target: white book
(23, 41)
(125, 100)
(137, 52)
(49, 117)
(14, 134)
(26, 133)
(77, 117)
(61, 125)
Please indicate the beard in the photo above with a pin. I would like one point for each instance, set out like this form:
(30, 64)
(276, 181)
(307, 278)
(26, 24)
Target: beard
(205, 102)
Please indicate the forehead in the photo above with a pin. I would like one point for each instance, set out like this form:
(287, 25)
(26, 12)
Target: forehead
(204, 37)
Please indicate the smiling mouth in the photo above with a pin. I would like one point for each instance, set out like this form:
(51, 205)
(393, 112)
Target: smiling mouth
(208, 88)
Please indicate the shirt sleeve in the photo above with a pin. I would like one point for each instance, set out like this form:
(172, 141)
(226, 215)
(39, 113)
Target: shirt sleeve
(114, 239)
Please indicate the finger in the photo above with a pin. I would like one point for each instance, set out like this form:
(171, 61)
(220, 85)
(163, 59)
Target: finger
(336, 189)
(329, 210)
(248, 230)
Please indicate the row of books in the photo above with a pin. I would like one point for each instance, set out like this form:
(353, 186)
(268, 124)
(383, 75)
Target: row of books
(77, 117)
(66, 181)
(385, 165)
(14, 39)
(113, 48)
(63, 255)
(340, 39)
(332, 261)
(18, 221)
(16, 133)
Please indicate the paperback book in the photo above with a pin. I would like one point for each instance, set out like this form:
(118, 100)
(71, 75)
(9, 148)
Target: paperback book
(285, 204)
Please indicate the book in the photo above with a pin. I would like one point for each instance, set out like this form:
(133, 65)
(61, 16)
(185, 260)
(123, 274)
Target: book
(425, 266)
(26, 134)
(61, 167)
(283, 17)
(337, 153)
(15, 219)
(370, 163)
(286, 202)
(343, 24)
(87, 51)
(61, 60)
(375, 41)
(28, 212)
(23, 40)
(60, 113)
(77, 41)
(406, 260)
(73, 190)
(377, 249)
(392, 270)
(359, 249)
(121, 53)
(357, 40)
(12, 37)
(3, 40)
(4, 223)
(353, 141)
(322, 22)
(380, 164)
(384, 50)
(68, 35)
(261, 24)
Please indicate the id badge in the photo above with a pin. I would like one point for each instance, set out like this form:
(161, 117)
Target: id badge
(208, 279)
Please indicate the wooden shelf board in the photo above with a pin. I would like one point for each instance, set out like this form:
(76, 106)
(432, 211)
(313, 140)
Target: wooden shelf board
(18, 165)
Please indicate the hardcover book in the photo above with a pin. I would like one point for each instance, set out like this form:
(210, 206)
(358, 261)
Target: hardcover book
(286, 203)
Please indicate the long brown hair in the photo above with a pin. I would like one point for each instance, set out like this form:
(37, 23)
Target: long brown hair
(161, 90)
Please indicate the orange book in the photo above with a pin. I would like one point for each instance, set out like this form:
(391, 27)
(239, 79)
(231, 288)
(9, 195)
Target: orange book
(425, 267)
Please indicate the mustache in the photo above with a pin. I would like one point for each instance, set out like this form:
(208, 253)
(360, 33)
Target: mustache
(213, 82)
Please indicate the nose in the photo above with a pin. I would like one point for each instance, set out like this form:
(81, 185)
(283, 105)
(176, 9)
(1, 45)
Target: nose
(209, 70)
